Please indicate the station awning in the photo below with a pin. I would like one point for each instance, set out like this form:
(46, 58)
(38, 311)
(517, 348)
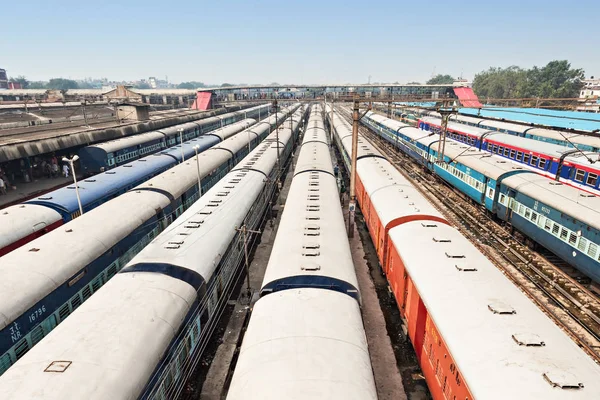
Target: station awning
(467, 97)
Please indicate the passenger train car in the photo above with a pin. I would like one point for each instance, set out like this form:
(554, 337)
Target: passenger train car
(585, 142)
(100, 157)
(566, 164)
(306, 339)
(563, 219)
(42, 283)
(142, 335)
(475, 334)
(24, 222)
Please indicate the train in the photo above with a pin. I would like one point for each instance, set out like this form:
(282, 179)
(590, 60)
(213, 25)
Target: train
(584, 142)
(305, 338)
(142, 335)
(561, 218)
(565, 164)
(22, 223)
(476, 335)
(42, 283)
(101, 157)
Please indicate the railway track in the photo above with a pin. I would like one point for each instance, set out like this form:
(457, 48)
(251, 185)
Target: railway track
(571, 305)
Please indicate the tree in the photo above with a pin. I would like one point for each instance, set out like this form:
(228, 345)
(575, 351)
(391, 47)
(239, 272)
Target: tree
(555, 80)
(440, 79)
(411, 83)
(21, 80)
(62, 84)
(191, 85)
(226, 85)
(142, 85)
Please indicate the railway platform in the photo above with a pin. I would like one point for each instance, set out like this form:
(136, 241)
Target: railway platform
(20, 192)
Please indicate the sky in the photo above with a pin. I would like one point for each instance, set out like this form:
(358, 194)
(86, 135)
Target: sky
(301, 42)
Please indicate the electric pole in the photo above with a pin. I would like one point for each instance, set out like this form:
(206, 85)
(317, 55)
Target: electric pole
(245, 232)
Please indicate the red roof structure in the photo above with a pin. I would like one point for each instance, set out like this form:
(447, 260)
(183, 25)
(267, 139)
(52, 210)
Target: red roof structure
(203, 101)
(467, 97)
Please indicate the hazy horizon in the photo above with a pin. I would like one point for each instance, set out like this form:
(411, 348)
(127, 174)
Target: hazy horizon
(302, 43)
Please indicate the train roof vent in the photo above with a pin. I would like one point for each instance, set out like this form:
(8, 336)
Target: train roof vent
(428, 225)
(58, 366)
(313, 197)
(555, 183)
(312, 230)
(127, 165)
(310, 267)
(500, 162)
(229, 187)
(214, 202)
(176, 242)
(441, 240)
(514, 167)
(562, 379)
(204, 212)
(311, 253)
(172, 246)
(528, 339)
(501, 308)
(586, 194)
(313, 189)
(34, 249)
(313, 217)
(46, 198)
(193, 224)
(90, 180)
(224, 193)
(454, 255)
(110, 172)
(311, 245)
(465, 268)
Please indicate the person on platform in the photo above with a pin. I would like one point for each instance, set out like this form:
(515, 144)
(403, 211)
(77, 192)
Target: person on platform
(66, 170)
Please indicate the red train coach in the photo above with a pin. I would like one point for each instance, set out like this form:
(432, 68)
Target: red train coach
(475, 334)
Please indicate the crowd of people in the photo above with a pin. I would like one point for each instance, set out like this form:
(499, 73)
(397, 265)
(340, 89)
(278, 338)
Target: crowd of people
(24, 171)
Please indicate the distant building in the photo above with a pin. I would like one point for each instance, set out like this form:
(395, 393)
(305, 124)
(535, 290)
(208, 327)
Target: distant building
(3, 79)
(157, 83)
(589, 96)
(14, 85)
(590, 89)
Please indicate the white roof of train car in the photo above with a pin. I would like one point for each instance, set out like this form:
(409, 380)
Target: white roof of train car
(22, 220)
(304, 344)
(483, 343)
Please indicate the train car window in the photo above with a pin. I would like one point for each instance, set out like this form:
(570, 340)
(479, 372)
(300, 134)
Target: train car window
(534, 217)
(526, 158)
(542, 163)
(506, 152)
(592, 179)
(563, 234)
(512, 153)
(519, 155)
(592, 250)
(548, 225)
(572, 238)
(534, 160)
(555, 229)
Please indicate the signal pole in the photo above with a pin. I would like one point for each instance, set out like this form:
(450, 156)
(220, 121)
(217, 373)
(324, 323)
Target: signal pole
(445, 113)
(245, 232)
(352, 204)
